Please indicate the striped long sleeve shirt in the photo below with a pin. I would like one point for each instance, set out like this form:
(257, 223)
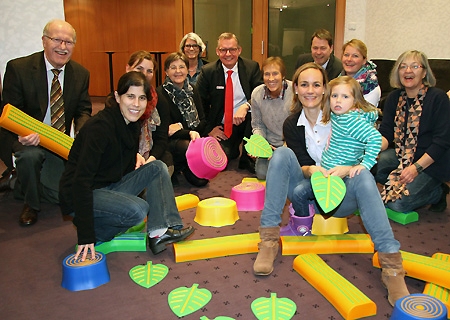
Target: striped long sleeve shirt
(353, 140)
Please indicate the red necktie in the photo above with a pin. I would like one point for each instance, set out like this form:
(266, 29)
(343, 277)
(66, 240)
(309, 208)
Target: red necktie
(228, 125)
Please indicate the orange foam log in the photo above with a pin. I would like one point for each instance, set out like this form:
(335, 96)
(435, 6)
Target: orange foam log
(423, 268)
(441, 293)
(216, 247)
(22, 124)
(326, 244)
(348, 300)
(186, 201)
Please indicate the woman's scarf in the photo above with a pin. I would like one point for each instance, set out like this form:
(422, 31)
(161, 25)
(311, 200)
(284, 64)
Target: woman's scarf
(183, 99)
(405, 142)
(147, 126)
(146, 137)
(367, 77)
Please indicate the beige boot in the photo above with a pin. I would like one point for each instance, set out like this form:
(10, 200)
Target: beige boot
(393, 275)
(268, 250)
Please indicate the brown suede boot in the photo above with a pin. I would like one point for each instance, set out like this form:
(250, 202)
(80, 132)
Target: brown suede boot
(268, 250)
(393, 275)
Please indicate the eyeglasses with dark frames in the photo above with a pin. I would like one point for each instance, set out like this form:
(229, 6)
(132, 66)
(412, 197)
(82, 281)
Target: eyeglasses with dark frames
(225, 50)
(191, 46)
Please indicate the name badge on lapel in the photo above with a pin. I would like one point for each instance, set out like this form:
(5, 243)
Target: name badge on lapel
(220, 87)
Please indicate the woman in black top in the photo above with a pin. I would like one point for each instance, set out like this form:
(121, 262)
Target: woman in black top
(104, 175)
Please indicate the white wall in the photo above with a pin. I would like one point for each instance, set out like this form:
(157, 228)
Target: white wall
(22, 24)
(389, 27)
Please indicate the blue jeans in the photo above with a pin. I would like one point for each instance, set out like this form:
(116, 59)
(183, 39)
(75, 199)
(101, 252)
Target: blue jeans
(117, 207)
(285, 179)
(261, 167)
(422, 191)
(283, 175)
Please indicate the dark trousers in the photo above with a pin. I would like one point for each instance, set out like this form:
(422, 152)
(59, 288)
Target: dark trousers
(231, 147)
(6, 142)
(38, 175)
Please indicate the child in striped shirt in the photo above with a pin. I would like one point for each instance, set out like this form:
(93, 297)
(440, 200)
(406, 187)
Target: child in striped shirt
(354, 140)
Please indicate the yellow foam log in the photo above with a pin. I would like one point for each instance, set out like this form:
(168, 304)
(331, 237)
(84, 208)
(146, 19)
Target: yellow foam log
(441, 293)
(216, 247)
(248, 179)
(22, 124)
(423, 268)
(186, 201)
(348, 300)
(340, 243)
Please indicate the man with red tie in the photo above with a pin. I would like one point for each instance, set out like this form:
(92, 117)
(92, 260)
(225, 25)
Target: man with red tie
(226, 87)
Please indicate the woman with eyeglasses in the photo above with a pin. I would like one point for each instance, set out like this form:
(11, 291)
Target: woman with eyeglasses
(186, 116)
(192, 46)
(356, 65)
(414, 165)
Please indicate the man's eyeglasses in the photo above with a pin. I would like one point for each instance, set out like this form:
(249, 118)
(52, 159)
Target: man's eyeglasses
(61, 41)
(414, 67)
(191, 46)
(225, 50)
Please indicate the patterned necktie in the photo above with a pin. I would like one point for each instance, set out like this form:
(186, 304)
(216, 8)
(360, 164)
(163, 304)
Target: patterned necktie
(228, 125)
(57, 103)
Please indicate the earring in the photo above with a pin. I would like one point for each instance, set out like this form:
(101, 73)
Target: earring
(296, 92)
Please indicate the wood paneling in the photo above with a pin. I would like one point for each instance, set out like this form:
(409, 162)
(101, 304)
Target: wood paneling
(126, 26)
(122, 27)
(339, 29)
(260, 18)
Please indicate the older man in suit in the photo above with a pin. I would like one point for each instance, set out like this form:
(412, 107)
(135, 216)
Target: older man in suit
(51, 88)
(322, 54)
(243, 75)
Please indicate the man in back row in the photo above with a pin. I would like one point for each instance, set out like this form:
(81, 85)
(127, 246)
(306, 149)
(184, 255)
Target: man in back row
(322, 54)
(51, 88)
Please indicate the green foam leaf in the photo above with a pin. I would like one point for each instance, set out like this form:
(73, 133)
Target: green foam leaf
(216, 318)
(257, 146)
(184, 301)
(329, 191)
(273, 308)
(148, 275)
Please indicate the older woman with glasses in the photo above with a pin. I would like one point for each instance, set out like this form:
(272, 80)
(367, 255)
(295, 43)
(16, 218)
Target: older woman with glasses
(416, 138)
(193, 47)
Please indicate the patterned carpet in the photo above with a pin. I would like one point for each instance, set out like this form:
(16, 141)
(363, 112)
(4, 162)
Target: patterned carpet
(31, 272)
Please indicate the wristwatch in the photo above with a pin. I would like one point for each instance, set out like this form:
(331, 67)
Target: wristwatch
(419, 168)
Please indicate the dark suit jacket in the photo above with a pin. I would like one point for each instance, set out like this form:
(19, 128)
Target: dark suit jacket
(25, 87)
(333, 69)
(211, 86)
